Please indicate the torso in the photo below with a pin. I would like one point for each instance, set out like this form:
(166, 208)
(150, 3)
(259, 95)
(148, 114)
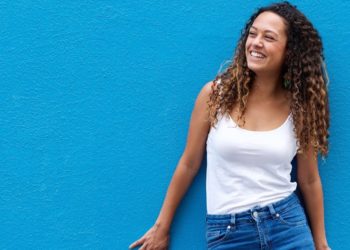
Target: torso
(264, 116)
(247, 169)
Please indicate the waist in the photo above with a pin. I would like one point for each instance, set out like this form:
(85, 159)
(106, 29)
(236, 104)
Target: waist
(257, 211)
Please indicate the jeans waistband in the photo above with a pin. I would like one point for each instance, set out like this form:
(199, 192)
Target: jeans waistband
(268, 210)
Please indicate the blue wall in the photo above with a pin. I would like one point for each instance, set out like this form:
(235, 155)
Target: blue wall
(95, 102)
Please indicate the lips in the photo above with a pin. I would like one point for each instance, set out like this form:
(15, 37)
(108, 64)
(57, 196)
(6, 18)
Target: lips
(257, 54)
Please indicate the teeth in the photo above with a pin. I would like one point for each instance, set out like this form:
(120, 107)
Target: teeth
(257, 54)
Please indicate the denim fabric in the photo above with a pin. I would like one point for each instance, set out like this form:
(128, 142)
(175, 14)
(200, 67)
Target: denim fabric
(281, 225)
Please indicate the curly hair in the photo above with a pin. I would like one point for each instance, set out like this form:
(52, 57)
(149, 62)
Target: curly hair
(303, 68)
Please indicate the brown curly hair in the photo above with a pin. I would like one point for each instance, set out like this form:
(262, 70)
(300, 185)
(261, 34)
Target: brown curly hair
(304, 70)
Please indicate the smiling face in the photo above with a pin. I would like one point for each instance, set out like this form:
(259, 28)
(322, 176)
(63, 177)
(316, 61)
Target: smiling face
(266, 43)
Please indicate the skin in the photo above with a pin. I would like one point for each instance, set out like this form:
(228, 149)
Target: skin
(268, 37)
(268, 103)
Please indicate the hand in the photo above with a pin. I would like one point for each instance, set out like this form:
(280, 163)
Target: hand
(154, 239)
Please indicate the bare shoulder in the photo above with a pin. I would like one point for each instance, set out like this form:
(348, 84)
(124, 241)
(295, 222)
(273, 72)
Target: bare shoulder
(206, 90)
(201, 107)
(208, 87)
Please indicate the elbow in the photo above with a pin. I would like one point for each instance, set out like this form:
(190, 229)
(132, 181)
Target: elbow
(191, 167)
(312, 181)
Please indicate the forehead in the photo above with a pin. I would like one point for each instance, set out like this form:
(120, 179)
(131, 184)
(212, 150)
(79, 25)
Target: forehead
(270, 21)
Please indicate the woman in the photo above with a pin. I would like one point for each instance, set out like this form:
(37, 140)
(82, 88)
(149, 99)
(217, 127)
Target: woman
(269, 105)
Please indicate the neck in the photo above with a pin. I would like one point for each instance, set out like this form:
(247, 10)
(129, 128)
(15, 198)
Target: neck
(266, 86)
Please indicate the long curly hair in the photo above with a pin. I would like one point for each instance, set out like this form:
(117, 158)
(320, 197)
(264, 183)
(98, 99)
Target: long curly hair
(303, 68)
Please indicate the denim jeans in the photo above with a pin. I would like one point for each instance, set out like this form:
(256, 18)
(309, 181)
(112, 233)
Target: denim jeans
(281, 225)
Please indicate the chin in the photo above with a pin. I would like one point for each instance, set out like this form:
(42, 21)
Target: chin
(256, 68)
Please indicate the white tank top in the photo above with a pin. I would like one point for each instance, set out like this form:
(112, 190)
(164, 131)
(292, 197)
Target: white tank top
(246, 168)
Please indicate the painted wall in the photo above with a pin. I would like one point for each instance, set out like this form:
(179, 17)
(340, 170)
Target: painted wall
(95, 102)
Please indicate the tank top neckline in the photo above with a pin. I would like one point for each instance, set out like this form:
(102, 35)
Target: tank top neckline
(259, 131)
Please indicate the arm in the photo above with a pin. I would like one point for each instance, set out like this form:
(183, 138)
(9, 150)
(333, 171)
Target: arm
(184, 174)
(311, 188)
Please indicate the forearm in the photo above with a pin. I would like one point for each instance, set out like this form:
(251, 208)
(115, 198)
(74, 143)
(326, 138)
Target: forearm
(313, 197)
(179, 184)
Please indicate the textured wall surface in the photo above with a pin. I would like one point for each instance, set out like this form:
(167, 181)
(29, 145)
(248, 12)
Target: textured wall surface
(95, 102)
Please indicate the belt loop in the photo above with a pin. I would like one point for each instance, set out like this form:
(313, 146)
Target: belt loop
(272, 210)
(233, 219)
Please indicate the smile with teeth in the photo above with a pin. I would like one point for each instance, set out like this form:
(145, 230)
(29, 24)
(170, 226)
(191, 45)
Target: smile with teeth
(256, 54)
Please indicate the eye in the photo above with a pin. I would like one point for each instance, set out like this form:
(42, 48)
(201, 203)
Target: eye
(251, 33)
(270, 38)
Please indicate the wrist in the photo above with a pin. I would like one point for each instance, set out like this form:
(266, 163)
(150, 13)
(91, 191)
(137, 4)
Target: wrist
(322, 245)
(161, 226)
(323, 248)
(320, 239)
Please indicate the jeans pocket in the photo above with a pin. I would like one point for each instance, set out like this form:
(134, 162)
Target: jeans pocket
(292, 216)
(217, 233)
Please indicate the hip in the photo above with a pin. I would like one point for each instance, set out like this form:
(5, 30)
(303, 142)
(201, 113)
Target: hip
(279, 225)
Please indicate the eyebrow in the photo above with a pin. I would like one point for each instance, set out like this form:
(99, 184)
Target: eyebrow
(265, 30)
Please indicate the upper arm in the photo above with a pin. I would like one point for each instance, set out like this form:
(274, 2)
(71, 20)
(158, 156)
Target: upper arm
(307, 167)
(198, 130)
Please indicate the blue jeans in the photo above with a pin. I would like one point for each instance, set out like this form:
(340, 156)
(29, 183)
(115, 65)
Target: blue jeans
(281, 225)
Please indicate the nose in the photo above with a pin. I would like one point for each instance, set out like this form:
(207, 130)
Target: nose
(257, 41)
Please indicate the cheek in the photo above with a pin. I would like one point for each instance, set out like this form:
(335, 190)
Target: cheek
(246, 45)
(248, 42)
(279, 52)
(282, 50)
